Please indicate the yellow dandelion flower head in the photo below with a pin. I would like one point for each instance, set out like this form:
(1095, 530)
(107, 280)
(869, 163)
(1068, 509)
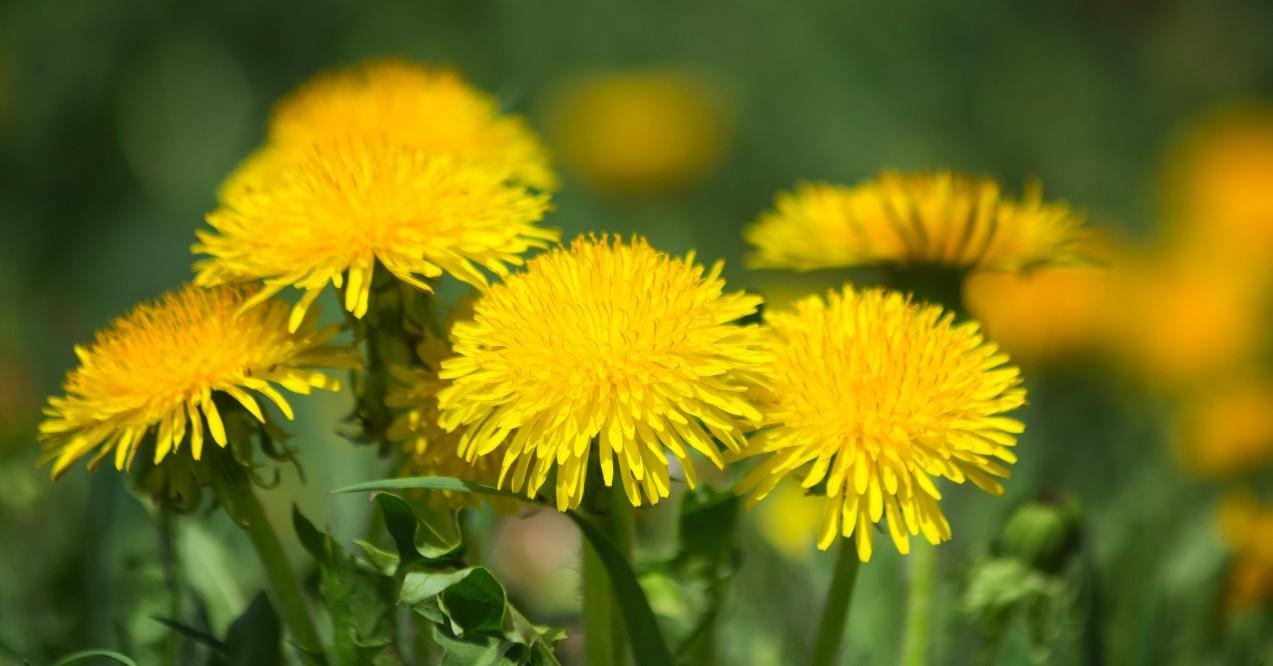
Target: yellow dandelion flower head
(427, 449)
(877, 396)
(429, 108)
(160, 366)
(940, 218)
(1227, 430)
(638, 132)
(607, 341)
(330, 211)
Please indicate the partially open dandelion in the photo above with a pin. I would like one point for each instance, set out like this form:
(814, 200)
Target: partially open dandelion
(159, 367)
(428, 108)
(330, 211)
(609, 342)
(869, 398)
(940, 218)
(427, 449)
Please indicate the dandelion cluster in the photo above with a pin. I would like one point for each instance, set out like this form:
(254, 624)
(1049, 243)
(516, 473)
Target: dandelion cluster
(158, 368)
(940, 218)
(607, 341)
(870, 398)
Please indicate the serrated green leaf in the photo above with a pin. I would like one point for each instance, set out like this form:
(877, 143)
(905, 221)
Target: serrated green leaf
(384, 561)
(649, 649)
(478, 651)
(416, 540)
(256, 636)
(85, 655)
(475, 604)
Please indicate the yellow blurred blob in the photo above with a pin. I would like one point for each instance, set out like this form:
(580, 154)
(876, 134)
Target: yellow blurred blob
(640, 132)
(788, 521)
(1183, 320)
(1220, 184)
(1247, 527)
(1049, 314)
(1228, 430)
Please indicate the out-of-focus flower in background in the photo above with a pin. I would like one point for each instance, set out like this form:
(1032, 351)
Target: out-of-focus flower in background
(1246, 524)
(1180, 321)
(788, 520)
(1219, 186)
(1227, 430)
(640, 132)
(1046, 316)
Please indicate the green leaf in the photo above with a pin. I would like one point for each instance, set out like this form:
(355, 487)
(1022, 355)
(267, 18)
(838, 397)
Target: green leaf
(476, 603)
(201, 637)
(384, 561)
(415, 540)
(648, 646)
(478, 651)
(256, 636)
(359, 599)
(95, 654)
(430, 483)
(707, 523)
(649, 649)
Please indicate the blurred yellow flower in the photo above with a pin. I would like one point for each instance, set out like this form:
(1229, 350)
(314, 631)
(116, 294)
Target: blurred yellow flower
(431, 109)
(161, 365)
(427, 449)
(1047, 315)
(1218, 184)
(867, 398)
(1247, 528)
(1184, 320)
(330, 211)
(938, 218)
(639, 132)
(607, 341)
(789, 519)
(1227, 430)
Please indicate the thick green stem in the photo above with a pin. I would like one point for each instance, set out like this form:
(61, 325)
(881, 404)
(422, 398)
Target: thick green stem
(235, 492)
(919, 605)
(605, 641)
(835, 613)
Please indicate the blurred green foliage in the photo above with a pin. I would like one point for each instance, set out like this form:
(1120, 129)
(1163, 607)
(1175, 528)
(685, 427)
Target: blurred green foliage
(118, 119)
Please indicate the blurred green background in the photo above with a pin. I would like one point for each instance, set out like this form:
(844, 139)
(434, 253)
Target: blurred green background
(119, 118)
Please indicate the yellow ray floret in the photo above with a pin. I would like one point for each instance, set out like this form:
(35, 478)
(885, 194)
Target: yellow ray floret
(428, 449)
(937, 218)
(328, 212)
(432, 109)
(160, 366)
(609, 342)
(869, 398)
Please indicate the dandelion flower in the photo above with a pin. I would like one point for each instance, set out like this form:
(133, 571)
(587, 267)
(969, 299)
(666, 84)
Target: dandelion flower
(939, 218)
(428, 449)
(328, 213)
(1247, 527)
(607, 341)
(1227, 430)
(640, 132)
(430, 109)
(159, 367)
(869, 398)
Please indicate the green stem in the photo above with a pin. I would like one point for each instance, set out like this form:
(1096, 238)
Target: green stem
(168, 555)
(835, 614)
(605, 641)
(235, 492)
(919, 605)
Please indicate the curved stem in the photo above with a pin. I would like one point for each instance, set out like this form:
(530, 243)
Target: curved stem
(235, 492)
(919, 605)
(835, 613)
(605, 641)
